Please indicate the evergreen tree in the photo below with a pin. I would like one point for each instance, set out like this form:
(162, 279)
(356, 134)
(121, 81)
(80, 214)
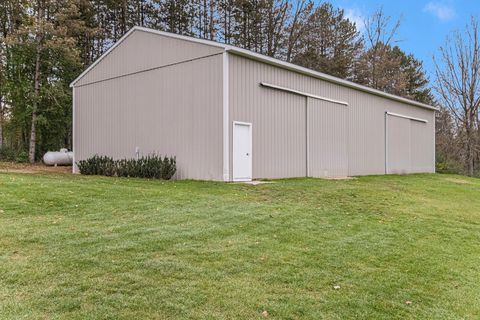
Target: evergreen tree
(417, 86)
(331, 44)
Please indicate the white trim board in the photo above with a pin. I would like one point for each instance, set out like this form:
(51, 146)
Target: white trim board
(305, 94)
(406, 117)
(74, 164)
(226, 119)
(386, 141)
(262, 58)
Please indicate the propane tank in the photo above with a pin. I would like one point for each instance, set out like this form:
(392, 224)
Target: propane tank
(61, 158)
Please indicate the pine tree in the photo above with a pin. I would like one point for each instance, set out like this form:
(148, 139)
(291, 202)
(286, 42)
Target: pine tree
(417, 86)
(331, 44)
(47, 61)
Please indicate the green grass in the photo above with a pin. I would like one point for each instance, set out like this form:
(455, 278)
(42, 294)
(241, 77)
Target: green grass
(74, 247)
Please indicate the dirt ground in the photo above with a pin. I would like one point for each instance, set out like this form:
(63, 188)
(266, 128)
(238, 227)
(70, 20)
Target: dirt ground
(32, 168)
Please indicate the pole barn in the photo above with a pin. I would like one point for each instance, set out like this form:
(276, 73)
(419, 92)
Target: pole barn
(233, 115)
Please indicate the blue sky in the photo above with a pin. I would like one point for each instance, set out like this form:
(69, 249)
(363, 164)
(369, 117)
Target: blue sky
(425, 23)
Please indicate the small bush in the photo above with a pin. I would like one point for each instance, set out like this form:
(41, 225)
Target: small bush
(151, 167)
(97, 165)
(22, 157)
(7, 154)
(12, 154)
(448, 166)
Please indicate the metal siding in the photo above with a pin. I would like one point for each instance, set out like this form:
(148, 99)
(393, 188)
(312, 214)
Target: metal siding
(367, 136)
(365, 119)
(278, 121)
(399, 145)
(175, 110)
(142, 51)
(328, 139)
(420, 160)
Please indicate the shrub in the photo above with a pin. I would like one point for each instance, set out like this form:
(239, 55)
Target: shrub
(22, 157)
(448, 166)
(97, 165)
(12, 154)
(7, 154)
(169, 167)
(151, 166)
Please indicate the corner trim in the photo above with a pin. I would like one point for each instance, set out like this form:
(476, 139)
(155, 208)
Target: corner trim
(74, 164)
(386, 141)
(226, 119)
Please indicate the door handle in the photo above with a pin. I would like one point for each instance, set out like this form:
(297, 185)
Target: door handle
(248, 154)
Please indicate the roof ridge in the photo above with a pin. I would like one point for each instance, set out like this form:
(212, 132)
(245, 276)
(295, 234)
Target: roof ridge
(262, 58)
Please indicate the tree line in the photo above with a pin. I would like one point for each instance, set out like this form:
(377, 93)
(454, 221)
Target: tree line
(457, 87)
(45, 44)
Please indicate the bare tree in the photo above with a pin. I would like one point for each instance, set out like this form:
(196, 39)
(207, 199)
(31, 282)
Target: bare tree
(378, 62)
(298, 26)
(458, 86)
(276, 15)
(379, 29)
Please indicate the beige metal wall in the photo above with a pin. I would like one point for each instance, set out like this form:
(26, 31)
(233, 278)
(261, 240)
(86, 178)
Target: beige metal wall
(171, 110)
(328, 139)
(167, 98)
(399, 142)
(145, 50)
(278, 123)
(420, 137)
(361, 124)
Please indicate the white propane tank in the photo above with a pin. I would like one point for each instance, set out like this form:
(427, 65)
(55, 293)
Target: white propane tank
(61, 158)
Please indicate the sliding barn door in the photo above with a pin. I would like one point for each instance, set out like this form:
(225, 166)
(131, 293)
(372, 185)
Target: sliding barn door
(327, 139)
(407, 145)
(398, 146)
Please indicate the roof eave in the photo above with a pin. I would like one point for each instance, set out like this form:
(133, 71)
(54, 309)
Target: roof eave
(262, 58)
(72, 84)
(325, 77)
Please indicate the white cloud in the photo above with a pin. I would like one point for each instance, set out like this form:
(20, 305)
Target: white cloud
(357, 17)
(442, 11)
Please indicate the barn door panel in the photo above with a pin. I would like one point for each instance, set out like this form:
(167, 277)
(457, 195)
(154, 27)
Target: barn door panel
(421, 157)
(398, 145)
(327, 139)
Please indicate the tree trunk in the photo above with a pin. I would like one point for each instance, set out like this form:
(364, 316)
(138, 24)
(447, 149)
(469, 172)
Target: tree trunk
(470, 152)
(124, 12)
(33, 130)
(1, 122)
(36, 93)
(212, 20)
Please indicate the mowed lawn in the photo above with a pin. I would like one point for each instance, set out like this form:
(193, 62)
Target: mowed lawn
(386, 247)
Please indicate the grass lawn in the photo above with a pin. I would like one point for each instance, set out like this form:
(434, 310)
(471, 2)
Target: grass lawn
(396, 247)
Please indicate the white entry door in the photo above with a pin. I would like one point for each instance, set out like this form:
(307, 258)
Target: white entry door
(242, 151)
